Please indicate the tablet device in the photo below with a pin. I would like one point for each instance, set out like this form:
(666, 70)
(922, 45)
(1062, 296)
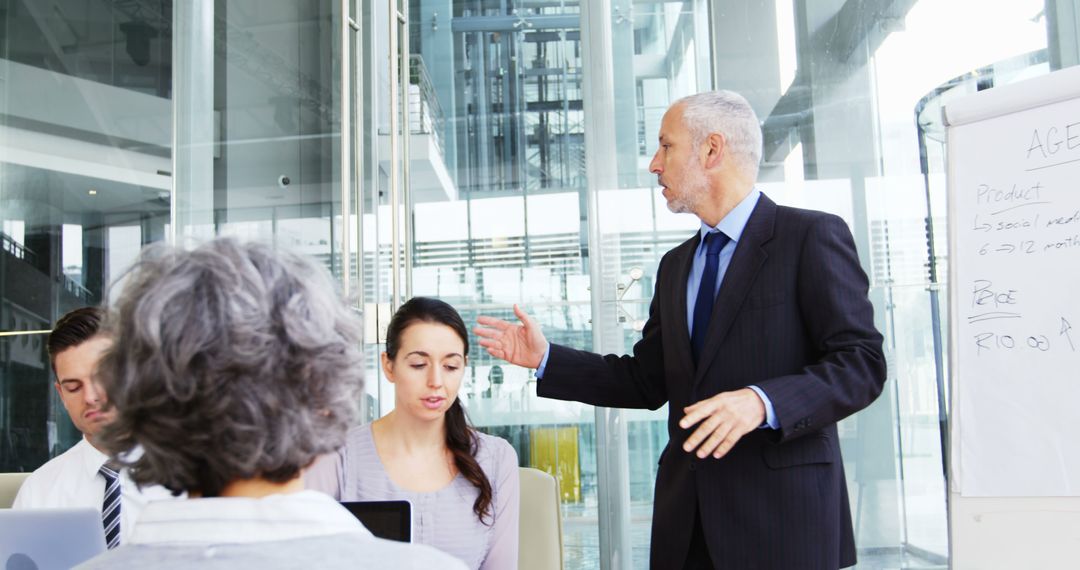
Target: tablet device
(49, 538)
(385, 519)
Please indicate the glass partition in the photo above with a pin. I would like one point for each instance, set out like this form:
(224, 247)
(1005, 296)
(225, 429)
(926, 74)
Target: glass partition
(496, 145)
(85, 164)
(837, 100)
(500, 188)
(87, 168)
(496, 152)
(276, 90)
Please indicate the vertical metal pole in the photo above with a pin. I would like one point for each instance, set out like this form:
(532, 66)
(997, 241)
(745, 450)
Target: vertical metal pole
(347, 160)
(406, 134)
(395, 135)
(933, 287)
(360, 166)
(192, 200)
(705, 8)
(1062, 33)
(612, 462)
(345, 111)
(482, 86)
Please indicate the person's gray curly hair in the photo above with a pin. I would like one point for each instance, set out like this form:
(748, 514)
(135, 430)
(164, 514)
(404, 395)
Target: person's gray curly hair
(727, 113)
(230, 361)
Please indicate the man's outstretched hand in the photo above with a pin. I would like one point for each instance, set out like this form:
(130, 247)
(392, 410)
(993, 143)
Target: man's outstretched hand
(521, 344)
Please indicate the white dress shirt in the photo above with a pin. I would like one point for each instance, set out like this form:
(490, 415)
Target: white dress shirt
(307, 529)
(71, 481)
(218, 520)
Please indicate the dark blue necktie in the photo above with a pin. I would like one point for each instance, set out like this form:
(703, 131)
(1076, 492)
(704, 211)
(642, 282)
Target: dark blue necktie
(706, 294)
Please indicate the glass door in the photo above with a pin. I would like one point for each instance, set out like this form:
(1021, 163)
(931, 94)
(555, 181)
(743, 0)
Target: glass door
(495, 215)
(654, 53)
(86, 147)
(509, 201)
(380, 76)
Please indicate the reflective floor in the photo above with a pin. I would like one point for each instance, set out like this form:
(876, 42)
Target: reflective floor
(924, 548)
(582, 550)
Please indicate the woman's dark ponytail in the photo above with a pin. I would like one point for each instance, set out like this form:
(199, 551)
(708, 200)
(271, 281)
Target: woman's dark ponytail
(462, 442)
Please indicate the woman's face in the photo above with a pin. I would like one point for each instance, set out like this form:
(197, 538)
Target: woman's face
(427, 371)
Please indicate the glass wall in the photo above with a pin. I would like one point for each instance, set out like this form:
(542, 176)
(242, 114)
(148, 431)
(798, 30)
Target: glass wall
(85, 164)
(500, 182)
(850, 99)
(87, 168)
(906, 204)
(495, 152)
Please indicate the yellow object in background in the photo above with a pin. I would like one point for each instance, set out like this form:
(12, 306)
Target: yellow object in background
(555, 450)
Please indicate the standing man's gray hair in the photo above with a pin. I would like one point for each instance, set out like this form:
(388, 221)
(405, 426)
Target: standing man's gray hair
(230, 362)
(727, 113)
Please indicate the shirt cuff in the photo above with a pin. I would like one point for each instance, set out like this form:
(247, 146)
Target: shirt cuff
(770, 413)
(543, 362)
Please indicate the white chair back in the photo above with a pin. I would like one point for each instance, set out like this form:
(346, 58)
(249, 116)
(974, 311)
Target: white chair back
(9, 487)
(540, 545)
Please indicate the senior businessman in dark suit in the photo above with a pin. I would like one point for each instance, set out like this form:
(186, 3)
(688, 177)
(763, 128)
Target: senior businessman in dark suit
(760, 337)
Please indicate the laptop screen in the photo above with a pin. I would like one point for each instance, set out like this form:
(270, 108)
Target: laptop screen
(49, 538)
(385, 519)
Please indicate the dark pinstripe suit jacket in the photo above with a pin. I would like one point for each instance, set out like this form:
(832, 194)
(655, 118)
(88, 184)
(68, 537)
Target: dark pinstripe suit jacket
(792, 317)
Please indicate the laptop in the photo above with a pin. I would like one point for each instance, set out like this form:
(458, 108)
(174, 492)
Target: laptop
(385, 519)
(43, 539)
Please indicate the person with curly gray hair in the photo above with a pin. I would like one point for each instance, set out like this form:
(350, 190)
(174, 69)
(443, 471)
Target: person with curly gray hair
(233, 367)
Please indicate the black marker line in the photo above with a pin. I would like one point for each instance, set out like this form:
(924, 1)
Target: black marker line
(1015, 207)
(992, 316)
(1052, 165)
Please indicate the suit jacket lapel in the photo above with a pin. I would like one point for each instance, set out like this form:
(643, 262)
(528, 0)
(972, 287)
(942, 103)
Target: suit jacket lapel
(745, 263)
(685, 261)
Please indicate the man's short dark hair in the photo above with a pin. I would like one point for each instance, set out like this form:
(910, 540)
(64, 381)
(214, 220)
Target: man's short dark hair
(73, 329)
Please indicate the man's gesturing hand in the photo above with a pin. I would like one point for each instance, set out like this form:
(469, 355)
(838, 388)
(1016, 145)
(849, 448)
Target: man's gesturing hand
(522, 344)
(727, 417)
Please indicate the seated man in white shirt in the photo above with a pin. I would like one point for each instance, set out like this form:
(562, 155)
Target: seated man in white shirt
(76, 478)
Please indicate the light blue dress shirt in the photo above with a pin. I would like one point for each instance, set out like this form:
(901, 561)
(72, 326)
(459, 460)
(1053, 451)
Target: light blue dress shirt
(732, 225)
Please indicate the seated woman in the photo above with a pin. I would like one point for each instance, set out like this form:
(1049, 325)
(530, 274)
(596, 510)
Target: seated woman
(233, 367)
(463, 484)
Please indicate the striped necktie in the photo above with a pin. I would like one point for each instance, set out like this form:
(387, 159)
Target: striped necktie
(110, 508)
